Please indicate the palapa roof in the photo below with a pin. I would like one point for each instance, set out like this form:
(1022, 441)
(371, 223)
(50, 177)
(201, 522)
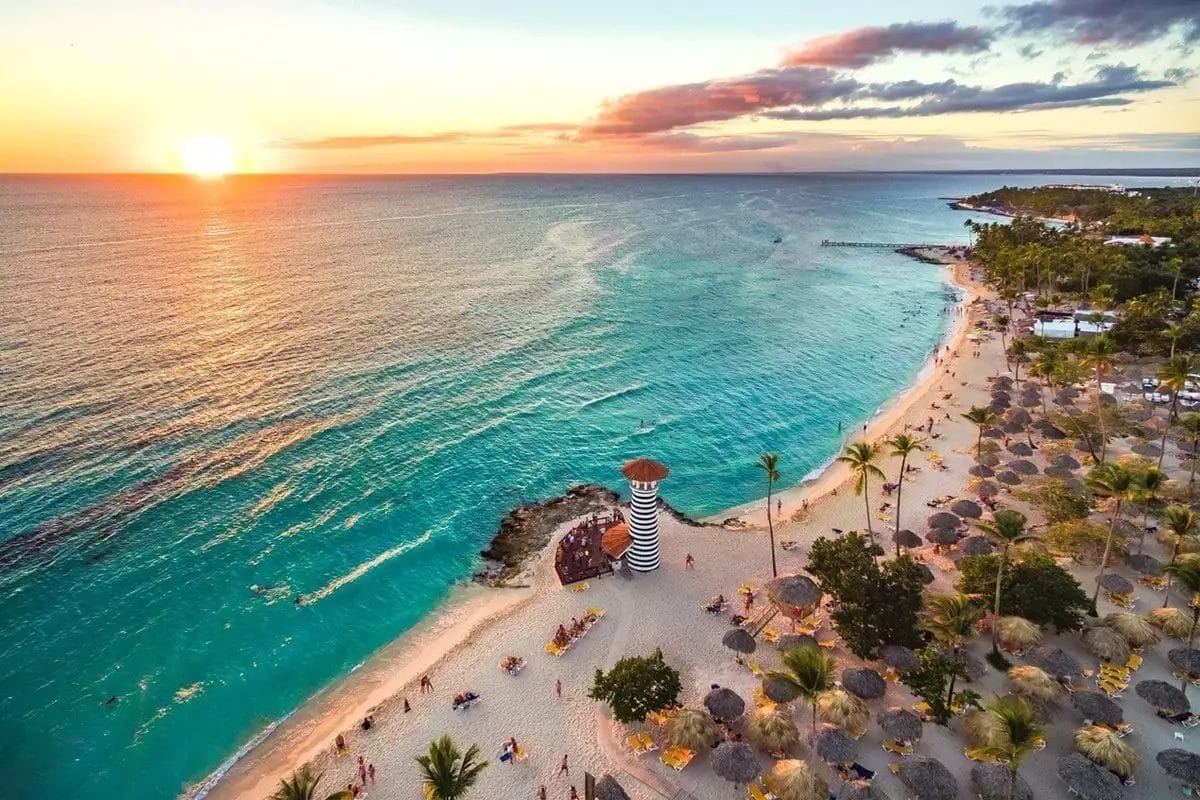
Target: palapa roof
(1147, 449)
(1023, 467)
(1089, 781)
(900, 723)
(967, 508)
(833, 745)
(607, 788)
(1055, 661)
(993, 782)
(724, 704)
(1145, 564)
(616, 540)
(1163, 696)
(943, 519)
(1098, 707)
(794, 591)
(977, 546)
(790, 641)
(1009, 478)
(865, 683)
(1186, 659)
(1115, 583)
(1065, 461)
(942, 535)
(925, 572)
(906, 538)
(928, 778)
(1181, 764)
(1106, 644)
(861, 790)
(739, 640)
(778, 689)
(736, 762)
(1019, 448)
(644, 470)
(981, 471)
(898, 657)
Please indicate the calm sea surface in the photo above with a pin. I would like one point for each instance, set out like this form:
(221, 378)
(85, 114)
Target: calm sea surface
(216, 398)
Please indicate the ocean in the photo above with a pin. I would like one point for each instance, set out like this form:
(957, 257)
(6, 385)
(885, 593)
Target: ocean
(217, 399)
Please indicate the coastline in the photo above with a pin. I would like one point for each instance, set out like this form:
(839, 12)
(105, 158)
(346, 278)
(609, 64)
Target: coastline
(471, 609)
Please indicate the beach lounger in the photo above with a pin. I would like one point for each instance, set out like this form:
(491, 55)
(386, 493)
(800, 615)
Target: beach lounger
(897, 748)
(579, 587)
(894, 767)
(1134, 661)
(634, 742)
(598, 613)
(746, 588)
(755, 668)
(760, 699)
(924, 710)
(828, 644)
(770, 635)
(980, 754)
(647, 741)
(862, 772)
(554, 649)
(658, 717)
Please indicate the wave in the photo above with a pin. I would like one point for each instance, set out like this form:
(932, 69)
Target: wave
(201, 790)
(361, 569)
(637, 387)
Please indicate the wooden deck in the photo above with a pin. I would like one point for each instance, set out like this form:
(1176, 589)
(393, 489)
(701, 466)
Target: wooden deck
(579, 555)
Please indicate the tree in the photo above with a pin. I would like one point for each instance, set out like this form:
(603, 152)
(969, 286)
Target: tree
(860, 457)
(1001, 322)
(1180, 521)
(1081, 539)
(1046, 368)
(1150, 481)
(1099, 358)
(1118, 482)
(1057, 501)
(303, 786)
(637, 685)
(1191, 425)
(1033, 587)
(1173, 375)
(951, 619)
(1006, 529)
(929, 680)
(1014, 733)
(1186, 574)
(1018, 354)
(809, 671)
(877, 603)
(903, 445)
(448, 774)
(769, 464)
(981, 417)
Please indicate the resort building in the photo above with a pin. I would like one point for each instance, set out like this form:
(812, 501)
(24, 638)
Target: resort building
(644, 475)
(1082, 323)
(1145, 239)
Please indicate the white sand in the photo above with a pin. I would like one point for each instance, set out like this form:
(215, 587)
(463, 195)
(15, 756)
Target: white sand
(661, 609)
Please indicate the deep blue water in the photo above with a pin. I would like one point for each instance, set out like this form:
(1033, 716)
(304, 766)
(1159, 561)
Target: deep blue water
(333, 389)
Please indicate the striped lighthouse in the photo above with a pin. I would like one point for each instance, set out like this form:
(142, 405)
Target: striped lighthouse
(643, 475)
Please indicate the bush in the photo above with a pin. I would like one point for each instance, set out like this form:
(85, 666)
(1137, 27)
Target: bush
(637, 685)
(1056, 501)
(931, 680)
(1082, 540)
(1033, 587)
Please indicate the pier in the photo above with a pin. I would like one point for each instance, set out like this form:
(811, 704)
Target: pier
(887, 245)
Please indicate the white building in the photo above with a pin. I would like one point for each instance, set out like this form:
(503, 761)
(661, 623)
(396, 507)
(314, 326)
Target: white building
(1144, 239)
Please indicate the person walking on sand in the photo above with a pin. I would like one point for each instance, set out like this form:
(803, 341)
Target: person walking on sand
(362, 770)
(371, 773)
(426, 684)
(779, 507)
(542, 792)
(689, 563)
(574, 794)
(407, 707)
(558, 687)
(563, 768)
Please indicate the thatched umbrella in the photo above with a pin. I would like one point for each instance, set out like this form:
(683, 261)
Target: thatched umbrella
(790, 641)
(865, 683)
(1065, 396)
(974, 666)
(773, 728)
(844, 709)
(900, 724)
(796, 595)
(1015, 428)
(1065, 461)
(778, 689)
(1183, 765)
(968, 509)
(1050, 431)
(899, 657)
(1106, 644)
(860, 790)
(994, 782)
(1103, 746)
(1009, 478)
(1082, 446)
(1148, 449)
(906, 539)
(1186, 659)
(1057, 472)
(1145, 564)
(692, 728)
(1023, 467)
(999, 406)
(925, 573)
(942, 536)
(944, 520)
(607, 788)
(724, 704)
(989, 459)
(792, 779)
(1115, 583)
(1001, 382)
(1020, 416)
(739, 640)
(987, 489)
(1163, 696)
(977, 546)
(1098, 707)
(1020, 448)
(1088, 781)
(736, 762)
(1030, 400)
(1036, 684)
(928, 779)
(833, 745)
(1001, 393)
(993, 433)
(1171, 621)
(1136, 630)
(1017, 633)
(981, 471)
(1055, 661)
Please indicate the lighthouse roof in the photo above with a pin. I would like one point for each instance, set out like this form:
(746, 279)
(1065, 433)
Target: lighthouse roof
(616, 540)
(644, 470)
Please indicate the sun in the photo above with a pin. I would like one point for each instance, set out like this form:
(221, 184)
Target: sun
(206, 156)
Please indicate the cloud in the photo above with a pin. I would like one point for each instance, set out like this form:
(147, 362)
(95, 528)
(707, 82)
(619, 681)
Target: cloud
(1114, 22)
(444, 137)
(864, 46)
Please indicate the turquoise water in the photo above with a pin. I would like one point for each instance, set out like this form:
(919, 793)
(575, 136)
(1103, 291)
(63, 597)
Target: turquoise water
(333, 389)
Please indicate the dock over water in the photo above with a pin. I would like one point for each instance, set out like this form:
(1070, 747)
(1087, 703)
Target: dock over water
(887, 245)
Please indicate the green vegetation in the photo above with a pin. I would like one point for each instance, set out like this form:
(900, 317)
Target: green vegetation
(878, 604)
(1033, 587)
(769, 464)
(951, 620)
(303, 786)
(809, 672)
(448, 774)
(936, 670)
(1007, 529)
(637, 685)
(1057, 501)
(861, 457)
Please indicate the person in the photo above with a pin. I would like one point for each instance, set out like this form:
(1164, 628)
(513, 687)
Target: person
(362, 769)
(407, 707)
(426, 684)
(749, 602)
(340, 743)
(778, 506)
(563, 768)
(574, 794)
(367, 722)
(558, 687)
(542, 792)
(689, 563)
(371, 773)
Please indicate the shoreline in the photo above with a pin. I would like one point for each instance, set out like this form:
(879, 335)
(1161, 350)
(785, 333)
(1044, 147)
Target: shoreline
(471, 609)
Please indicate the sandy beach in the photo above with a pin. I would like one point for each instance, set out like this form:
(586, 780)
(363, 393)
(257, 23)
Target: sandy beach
(663, 609)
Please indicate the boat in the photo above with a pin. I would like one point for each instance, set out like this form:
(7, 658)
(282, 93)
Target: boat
(778, 239)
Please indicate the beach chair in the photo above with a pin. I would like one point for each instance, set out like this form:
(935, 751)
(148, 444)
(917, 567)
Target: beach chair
(554, 649)
(683, 757)
(770, 635)
(657, 717)
(520, 756)
(647, 741)
(634, 742)
(598, 613)
(579, 587)
(746, 588)
(897, 748)
(828, 644)
(980, 754)
(760, 699)
(924, 711)
(756, 791)
(894, 767)
(861, 772)
(756, 668)
(1134, 661)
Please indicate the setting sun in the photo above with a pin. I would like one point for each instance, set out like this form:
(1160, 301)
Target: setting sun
(206, 156)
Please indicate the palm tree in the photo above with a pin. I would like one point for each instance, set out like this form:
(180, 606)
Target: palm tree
(1118, 482)
(1173, 333)
(1013, 733)
(1150, 481)
(1019, 354)
(1186, 572)
(1046, 367)
(982, 417)
(769, 463)
(1180, 521)
(1001, 321)
(903, 445)
(448, 774)
(809, 671)
(1099, 358)
(1173, 375)
(1191, 424)
(951, 618)
(303, 786)
(861, 456)
(1008, 528)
